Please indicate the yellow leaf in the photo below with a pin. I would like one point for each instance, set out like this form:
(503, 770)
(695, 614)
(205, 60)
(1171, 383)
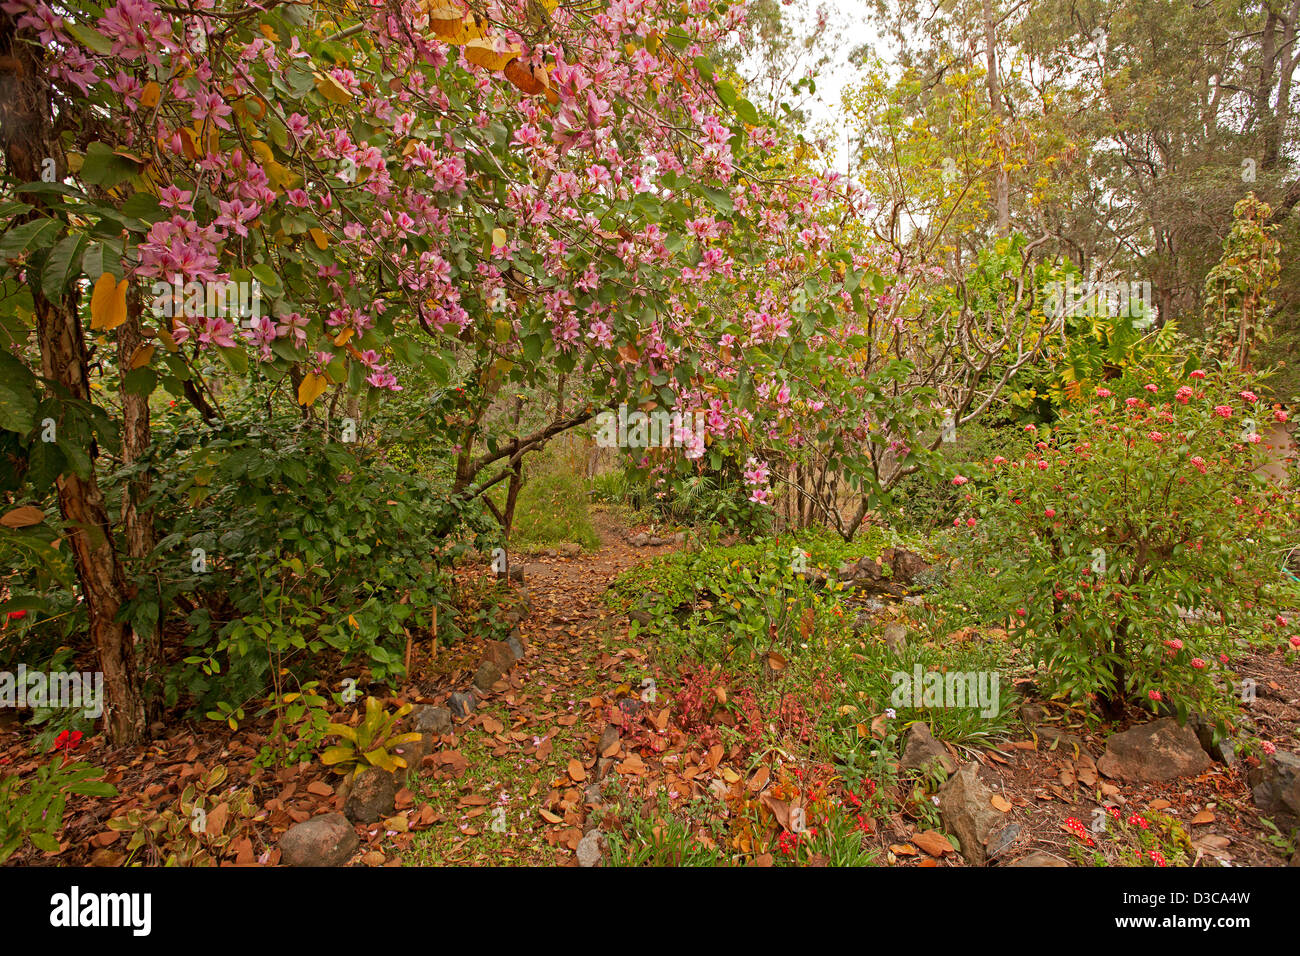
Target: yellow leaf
(330, 88)
(483, 53)
(142, 356)
(149, 95)
(108, 303)
(343, 336)
(313, 387)
(498, 236)
(269, 32)
(318, 236)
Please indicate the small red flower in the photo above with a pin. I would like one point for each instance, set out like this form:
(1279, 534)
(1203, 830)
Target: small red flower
(67, 741)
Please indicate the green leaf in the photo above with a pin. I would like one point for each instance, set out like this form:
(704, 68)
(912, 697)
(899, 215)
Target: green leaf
(29, 237)
(61, 266)
(103, 167)
(89, 37)
(18, 398)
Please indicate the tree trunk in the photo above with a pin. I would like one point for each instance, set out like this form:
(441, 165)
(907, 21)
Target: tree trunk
(27, 137)
(1002, 185)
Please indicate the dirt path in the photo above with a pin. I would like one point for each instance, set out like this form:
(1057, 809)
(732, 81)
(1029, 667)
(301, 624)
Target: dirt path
(509, 786)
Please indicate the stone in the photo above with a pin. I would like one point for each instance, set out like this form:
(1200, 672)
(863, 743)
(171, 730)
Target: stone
(895, 638)
(679, 537)
(373, 796)
(1039, 858)
(1032, 714)
(1222, 750)
(434, 721)
(916, 600)
(922, 752)
(1001, 840)
(488, 673)
(461, 704)
(967, 813)
(569, 549)
(907, 565)
(1153, 753)
(515, 645)
(499, 654)
(641, 617)
(639, 540)
(589, 849)
(326, 840)
(517, 574)
(413, 753)
(1275, 785)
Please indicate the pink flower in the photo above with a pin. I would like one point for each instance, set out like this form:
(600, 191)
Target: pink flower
(1196, 374)
(1281, 621)
(970, 523)
(1050, 512)
(1020, 612)
(1198, 663)
(1104, 393)
(960, 480)
(1279, 415)
(1269, 747)
(1295, 642)
(1198, 463)
(1132, 402)
(1223, 411)
(1154, 695)
(1156, 437)
(1249, 396)
(1184, 393)
(1151, 388)
(999, 460)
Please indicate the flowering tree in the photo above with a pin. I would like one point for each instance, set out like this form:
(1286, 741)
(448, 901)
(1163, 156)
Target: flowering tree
(520, 192)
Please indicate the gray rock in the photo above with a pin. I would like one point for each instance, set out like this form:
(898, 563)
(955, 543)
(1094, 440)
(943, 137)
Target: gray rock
(916, 600)
(589, 849)
(461, 704)
(1153, 753)
(1039, 858)
(895, 638)
(922, 752)
(639, 540)
(326, 840)
(1001, 840)
(641, 617)
(517, 574)
(569, 549)
(413, 753)
(1032, 714)
(1221, 750)
(592, 796)
(679, 537)
(516, 646)
(373, 796)
(968, 814)
(434, 721)
(1275, 785)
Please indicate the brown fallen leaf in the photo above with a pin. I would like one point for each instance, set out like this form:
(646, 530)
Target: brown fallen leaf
(1205, 816)
(902, 849)
(933, 842)
(576, 770)
(550, 817)
(1000, 803)
(1159, 805)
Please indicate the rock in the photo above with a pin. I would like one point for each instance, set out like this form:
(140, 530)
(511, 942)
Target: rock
(517, 574)
(413, 753)
(1221, 750)
(907, 565)
(1032, 714)
(916, 600)
(589, 849)
(1001, 841)
(1153, 753)
(641, 617)
(373, 796)
(968, 814)
(499, 654)
(461, 704)
(1275, 785)
(603, 766)
(895, 638)
(326, 840)
(533, 569)
(435, 721)
(488, 673)
(922, 752)
(1039, 858)
(679, 537)
(569, 549)
(639, 540)
(515, 645)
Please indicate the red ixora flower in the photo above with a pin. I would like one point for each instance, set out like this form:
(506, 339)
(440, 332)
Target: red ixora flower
(68, 741)
(17, 615)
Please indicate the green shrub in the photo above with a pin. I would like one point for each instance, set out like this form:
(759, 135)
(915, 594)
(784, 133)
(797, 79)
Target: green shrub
(1141, 502)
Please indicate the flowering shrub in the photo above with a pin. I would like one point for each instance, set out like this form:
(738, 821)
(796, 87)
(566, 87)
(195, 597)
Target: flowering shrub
(1134, 540)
